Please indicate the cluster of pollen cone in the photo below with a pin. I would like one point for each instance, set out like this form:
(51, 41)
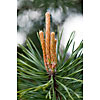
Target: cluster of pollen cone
(48, 46)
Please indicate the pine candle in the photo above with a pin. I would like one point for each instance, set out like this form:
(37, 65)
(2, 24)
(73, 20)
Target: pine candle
(48, 37)
(43, 48)
(49, 46)
(53, 50)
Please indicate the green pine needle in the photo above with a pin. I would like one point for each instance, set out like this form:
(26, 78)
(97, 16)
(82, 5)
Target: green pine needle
(34, 83)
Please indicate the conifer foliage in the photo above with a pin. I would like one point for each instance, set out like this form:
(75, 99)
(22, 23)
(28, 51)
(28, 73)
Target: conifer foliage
(50, 77)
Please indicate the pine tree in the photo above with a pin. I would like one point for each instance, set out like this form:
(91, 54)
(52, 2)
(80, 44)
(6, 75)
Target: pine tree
(50, 76)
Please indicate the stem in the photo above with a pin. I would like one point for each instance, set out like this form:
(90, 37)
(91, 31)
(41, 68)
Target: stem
(54, 87)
